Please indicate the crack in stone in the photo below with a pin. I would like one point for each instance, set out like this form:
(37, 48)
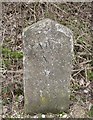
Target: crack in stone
(45, 58)
(40, 46)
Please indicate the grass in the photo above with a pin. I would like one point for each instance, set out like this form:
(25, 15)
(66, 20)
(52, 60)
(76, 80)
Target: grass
(8, 53)
(9, 56)
(90, 113)
(72, 15)
(90, 75)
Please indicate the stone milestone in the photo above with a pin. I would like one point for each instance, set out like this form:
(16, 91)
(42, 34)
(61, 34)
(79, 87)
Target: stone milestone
(48, 53)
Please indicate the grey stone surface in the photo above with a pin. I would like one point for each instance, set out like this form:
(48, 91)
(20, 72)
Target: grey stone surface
(48, 53)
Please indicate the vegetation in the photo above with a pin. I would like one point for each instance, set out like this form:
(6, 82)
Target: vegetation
(76, 16)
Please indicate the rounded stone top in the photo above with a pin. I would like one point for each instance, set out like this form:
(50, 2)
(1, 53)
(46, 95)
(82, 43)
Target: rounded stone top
(50, 24)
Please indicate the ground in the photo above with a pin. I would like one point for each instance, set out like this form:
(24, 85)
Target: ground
(76, 16)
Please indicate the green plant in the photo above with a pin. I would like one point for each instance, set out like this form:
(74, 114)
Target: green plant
(12, 54)
(81, 39)
(6, 63)
(9, 55)
(17, 55)
(90, 113)
(6, 52)
(90, 75)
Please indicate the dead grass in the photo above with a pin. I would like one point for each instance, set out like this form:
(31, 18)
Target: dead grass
(17, 16)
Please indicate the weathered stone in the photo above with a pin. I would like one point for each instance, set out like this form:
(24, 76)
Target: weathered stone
(48, 51)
